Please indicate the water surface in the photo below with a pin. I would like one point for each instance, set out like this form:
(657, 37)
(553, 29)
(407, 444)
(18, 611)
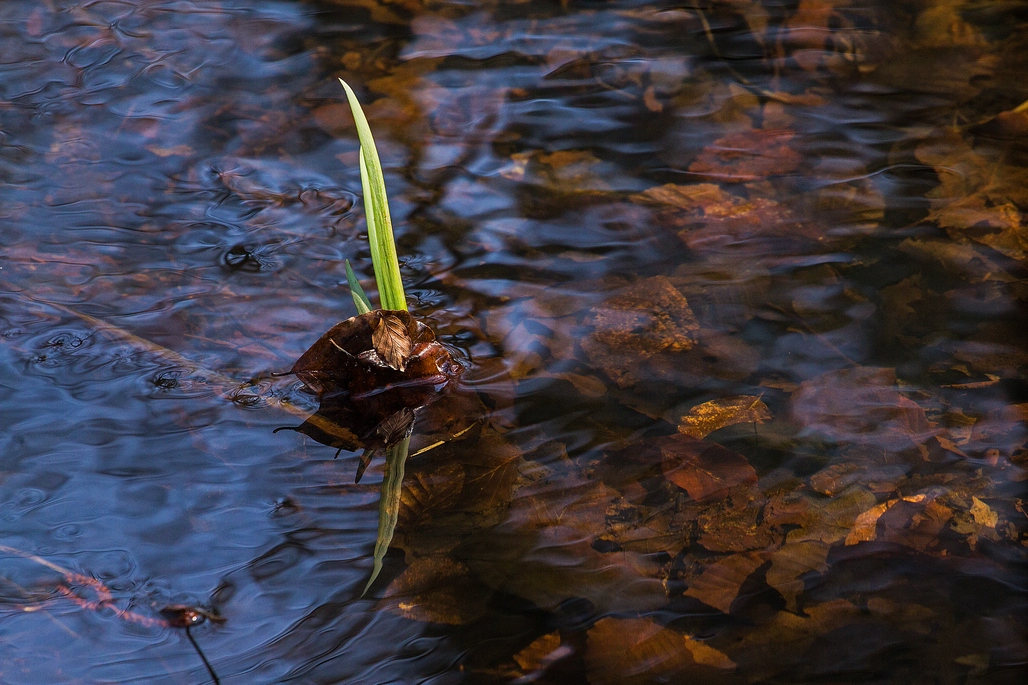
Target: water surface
(612, 213)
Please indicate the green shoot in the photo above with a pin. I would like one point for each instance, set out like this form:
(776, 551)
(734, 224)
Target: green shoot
(376, 206)
(359, 297)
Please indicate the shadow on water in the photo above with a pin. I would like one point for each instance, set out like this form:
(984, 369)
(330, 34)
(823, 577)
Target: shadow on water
(738, 289)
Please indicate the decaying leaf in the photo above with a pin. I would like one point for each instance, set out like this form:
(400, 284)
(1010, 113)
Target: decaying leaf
(638, 650)
(374, 351)
(391, 339)
(748, 156)
(983, 514)
(861, 405)
(830, 520)
(436, 589)
(648, 318)
(543, 651)
(981, 196)
(736, 523)
(710, 416)
(703, 469)
(793, 561)
(712, 221)
(719, 584)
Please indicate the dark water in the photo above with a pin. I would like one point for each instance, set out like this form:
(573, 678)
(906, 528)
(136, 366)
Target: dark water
(612, 212)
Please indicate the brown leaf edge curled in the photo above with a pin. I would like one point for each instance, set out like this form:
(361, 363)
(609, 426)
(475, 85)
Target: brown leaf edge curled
(375, 351)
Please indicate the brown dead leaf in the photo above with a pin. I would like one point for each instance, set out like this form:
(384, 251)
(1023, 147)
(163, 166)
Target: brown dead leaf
(861, 405)
(748, 156)
(704, 654)
(865, 525)
(980, 197)
(714, 415)
(793, 561)
(830, 520)
(391, 340)
(637, 650)
(719, 584)
(347, 358)
(540, 653)
(648, 318)
(763, 651)
(704, 469)
(436, 589)
(983, 514)
(736, 523)
(712, 221)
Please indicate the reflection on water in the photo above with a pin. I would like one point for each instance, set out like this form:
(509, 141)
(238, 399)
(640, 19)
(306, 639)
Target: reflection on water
(740, 287)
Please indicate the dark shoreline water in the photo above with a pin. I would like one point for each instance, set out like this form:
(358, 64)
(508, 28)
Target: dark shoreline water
(622, 217)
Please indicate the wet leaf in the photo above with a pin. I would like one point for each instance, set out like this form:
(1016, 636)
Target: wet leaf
(983, 514)
(736, 523)
(980, 197)
(543, 651)
(436, 589)
(793, 561)
(830, 520)
(346, 359)
(634, 651)
(786, 639)
(391, 340)
(714, 415)
(649, 318)
(713, 222)
(719, 584)
(861, 405)
(748, 156)
(704, 469)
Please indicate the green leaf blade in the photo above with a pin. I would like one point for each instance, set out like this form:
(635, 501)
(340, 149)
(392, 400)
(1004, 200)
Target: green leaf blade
(376, 204)
(360, 298)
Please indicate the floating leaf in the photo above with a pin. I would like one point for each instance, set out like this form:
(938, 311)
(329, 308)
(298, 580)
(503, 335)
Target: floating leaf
(346, 359)
(710, 416)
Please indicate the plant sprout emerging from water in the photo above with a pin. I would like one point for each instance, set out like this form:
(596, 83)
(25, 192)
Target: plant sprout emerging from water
(380, 227)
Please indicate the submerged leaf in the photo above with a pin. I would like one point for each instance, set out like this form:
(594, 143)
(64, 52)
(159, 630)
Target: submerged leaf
(638, 650)
(541, 652)
(719, 584)
(790, 563)
(436, 589)
(748, 156)
(704, 469)
(710, 416)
